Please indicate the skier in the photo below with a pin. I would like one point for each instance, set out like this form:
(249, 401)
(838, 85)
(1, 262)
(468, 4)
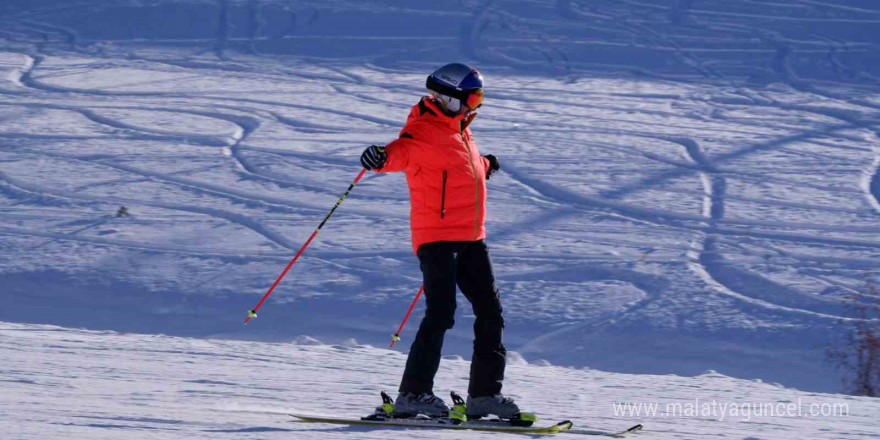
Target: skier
(447, 177)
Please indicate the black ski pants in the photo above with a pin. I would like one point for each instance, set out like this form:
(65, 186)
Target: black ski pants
(467, 264)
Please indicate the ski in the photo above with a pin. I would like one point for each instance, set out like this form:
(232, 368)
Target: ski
(521, 423)
(473, 425)
(439, 423)
(618, 434)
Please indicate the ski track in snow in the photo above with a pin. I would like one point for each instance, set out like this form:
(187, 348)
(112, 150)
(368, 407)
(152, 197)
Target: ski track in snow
(871, 184)
(668, 168)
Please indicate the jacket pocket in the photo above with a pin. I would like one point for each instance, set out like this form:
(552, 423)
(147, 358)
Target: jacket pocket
(443, 196)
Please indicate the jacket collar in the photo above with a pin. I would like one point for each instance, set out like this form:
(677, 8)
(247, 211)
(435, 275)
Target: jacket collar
(429, 106)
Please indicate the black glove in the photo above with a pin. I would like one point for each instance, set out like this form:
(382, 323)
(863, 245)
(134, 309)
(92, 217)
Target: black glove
(374, 157)
(493, 165)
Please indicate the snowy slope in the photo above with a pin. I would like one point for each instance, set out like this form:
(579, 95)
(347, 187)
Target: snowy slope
(63, 383)
(686, 185)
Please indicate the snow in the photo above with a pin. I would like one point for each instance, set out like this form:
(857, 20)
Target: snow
(685, 186)
(62, 382)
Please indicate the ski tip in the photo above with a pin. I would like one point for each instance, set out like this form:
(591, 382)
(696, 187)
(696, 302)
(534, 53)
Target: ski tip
(564, 425)
(623, 434)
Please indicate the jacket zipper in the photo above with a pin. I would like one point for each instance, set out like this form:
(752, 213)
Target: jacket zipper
(443, 196)
(476, 180)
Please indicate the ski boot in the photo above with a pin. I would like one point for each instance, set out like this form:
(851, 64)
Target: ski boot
(502, 407)
(426, 404)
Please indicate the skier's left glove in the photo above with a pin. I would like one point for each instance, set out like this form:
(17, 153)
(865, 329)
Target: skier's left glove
(374, 157)
(493, 165)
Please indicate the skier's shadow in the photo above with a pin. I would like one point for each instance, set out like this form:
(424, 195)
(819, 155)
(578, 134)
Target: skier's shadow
(253, 429)
(400, 429)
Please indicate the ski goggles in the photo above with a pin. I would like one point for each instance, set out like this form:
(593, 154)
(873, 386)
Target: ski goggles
(472, 98)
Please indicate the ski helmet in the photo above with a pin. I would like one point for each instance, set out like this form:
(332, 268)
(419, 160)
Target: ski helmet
(456, 83)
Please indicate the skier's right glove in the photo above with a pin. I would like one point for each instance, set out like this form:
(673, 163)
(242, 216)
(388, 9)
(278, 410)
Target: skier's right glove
(374, 157)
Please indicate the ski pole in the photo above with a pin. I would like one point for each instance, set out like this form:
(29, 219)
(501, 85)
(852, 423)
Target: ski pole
(253, 312)
(396, 337)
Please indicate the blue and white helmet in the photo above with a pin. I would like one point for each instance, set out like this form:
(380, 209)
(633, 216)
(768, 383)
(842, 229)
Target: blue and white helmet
(456, 83)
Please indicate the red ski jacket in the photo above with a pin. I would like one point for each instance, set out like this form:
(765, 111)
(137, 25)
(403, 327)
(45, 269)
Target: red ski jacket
(445, 173)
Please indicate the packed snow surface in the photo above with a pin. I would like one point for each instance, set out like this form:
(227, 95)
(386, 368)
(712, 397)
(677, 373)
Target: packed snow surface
(686, 186)
(65, 383)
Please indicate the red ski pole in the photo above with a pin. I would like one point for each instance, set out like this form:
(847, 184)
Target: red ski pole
(396, 337)
(253, 312)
